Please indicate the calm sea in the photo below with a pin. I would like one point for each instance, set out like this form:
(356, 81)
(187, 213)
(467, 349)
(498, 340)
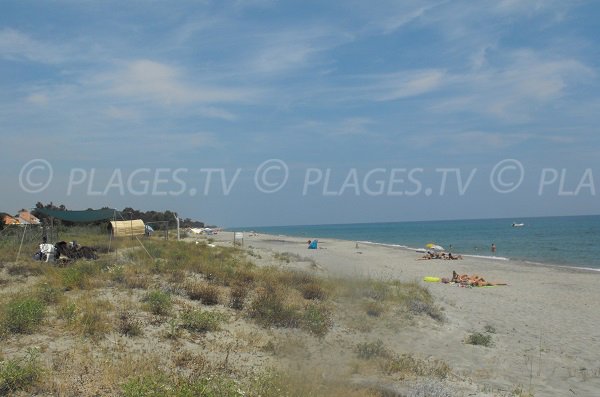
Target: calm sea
(567, 240)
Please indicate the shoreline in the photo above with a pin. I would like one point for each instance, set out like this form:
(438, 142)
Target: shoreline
(545, 320)
(520, 262)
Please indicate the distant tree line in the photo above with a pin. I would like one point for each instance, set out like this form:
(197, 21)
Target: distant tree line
(124, 214)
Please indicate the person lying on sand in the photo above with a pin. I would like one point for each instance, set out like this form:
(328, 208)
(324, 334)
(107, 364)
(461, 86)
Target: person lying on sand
(443, 255)
(474, 281)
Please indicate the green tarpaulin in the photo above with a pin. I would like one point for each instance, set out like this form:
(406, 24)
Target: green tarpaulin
(79, 216)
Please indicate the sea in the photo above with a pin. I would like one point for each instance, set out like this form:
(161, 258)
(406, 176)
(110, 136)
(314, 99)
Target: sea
(566, 240)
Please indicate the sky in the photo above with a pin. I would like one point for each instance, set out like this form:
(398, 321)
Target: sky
(261, 112)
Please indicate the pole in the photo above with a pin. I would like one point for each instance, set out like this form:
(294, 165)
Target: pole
(177, 220)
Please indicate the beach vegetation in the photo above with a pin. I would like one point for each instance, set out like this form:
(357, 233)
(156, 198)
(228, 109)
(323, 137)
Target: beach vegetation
(270, 309)
(519, 391)
(25, 269)
(407, 366)
(23, 314)
(206, 293)
(316, 319)
(152, 294)
(197, 320)
(93, 317)
(369, 350)
(158, 302)
(237, 296)
(19, 374)
(128, 325)
(427, 308)
(479, 339)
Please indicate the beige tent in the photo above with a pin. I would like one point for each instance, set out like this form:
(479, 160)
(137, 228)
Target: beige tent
(134, 227)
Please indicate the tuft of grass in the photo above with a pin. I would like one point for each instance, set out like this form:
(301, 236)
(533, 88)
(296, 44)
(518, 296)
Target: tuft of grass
(158, 302)
(25, 269)
(128, 325)
(408, 366)
(48, 294)
(316, 319)
(93, 320)
(205, 293)
(479, 339)
(424, 307)
(74, 278)
(489, 329)
(518, 391)
(67, 311)
(270, 310)
(160, 384)
(19, 374)
(313, 291)
(201, 321)
(23, 315)
(237, 296)
(369, 350)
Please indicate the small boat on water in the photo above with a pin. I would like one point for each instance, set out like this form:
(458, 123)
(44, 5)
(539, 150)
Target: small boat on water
(518, 224)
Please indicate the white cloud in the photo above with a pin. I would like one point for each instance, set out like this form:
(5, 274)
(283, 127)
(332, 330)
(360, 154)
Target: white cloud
(146, 80)
(18, 46)
(37, 99)
(294, 48)
(404, 84)
(523, 83)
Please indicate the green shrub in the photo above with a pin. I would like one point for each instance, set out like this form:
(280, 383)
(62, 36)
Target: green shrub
(408, 366)
(369, 350)
(24, 314)
(201, 321)
(74, 278)
(269, 309)
(159, 385)
(19, 374)
(479, 339)
(158, 302)
(316, 319)
(48, 293)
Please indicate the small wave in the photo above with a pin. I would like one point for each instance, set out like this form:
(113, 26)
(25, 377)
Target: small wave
(497, 258)
(386, 245)
(593, 269)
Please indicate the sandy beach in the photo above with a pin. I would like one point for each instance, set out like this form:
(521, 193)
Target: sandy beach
(545, 323)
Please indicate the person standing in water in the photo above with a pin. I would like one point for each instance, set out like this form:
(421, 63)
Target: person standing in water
(493, 248)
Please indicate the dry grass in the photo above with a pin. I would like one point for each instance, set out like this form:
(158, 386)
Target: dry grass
(132, 325)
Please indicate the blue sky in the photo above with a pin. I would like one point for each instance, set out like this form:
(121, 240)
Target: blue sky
(362, 89)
